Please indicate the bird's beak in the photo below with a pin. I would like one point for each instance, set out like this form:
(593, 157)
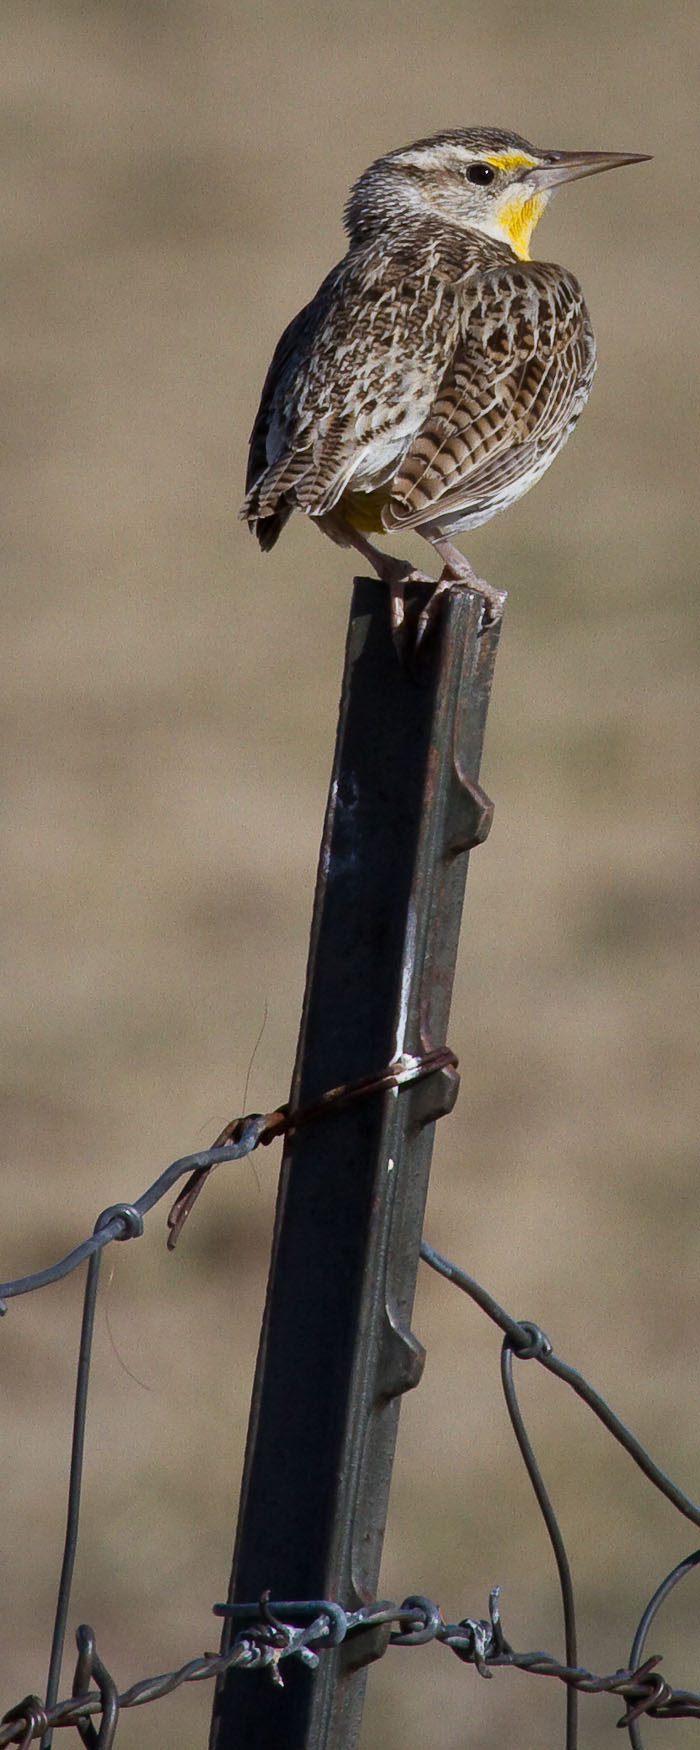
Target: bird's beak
(566, 166)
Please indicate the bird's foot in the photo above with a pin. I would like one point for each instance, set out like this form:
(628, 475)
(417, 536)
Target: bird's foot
(494, 600)
(453, 576)
(398, 575)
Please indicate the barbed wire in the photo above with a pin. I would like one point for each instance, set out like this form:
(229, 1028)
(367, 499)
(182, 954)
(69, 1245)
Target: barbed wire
(274, 1632)
(125, 1221)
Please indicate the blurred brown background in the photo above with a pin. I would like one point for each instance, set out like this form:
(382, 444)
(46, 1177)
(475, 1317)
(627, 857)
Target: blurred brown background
(173, 179)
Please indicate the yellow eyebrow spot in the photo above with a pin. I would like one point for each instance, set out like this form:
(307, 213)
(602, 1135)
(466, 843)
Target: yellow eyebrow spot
(517, 221)
(509, 160)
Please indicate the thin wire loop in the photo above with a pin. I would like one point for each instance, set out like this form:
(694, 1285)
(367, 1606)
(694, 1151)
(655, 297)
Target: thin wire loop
(272, 1632)
(528, 1342)
(118, 1225)
(89, 1665)
(238, 1139)
(553, 1530)
(639, 1642)
(546, 1357)
(29, 1712)
(74, 1489)
(428, 1620)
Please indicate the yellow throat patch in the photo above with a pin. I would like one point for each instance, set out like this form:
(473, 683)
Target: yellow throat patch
(517, 219)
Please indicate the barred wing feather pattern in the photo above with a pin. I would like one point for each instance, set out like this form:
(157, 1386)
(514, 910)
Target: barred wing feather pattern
(519, 378)
(432, 369)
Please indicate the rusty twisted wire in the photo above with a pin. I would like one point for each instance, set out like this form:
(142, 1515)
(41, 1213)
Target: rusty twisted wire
(275, 1632)
(126, 1220)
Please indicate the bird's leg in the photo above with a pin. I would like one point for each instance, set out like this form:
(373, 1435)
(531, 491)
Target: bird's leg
(396, 573)
(456, 569)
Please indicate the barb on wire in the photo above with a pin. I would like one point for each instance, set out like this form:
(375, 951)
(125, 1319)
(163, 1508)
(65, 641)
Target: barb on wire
(528, 1342)
(272, 1632)
(119, 1222)
(125, 1221)
(638, 1644)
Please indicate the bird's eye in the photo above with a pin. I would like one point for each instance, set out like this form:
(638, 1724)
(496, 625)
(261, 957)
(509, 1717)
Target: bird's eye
(481, 173)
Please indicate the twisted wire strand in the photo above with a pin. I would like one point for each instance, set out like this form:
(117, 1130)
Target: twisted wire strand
(275, 1632)
(269, 1636)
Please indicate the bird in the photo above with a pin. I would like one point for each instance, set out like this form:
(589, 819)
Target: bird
(438, 370)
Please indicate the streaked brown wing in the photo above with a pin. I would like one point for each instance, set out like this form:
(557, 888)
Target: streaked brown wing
(356, 372)
(516, 384)
(304, 439)
(290, 345)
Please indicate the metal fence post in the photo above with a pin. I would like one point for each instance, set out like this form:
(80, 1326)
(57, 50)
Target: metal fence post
(336, 1349)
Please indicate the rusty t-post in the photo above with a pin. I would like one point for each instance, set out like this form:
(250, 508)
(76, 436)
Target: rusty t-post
(336, 1349)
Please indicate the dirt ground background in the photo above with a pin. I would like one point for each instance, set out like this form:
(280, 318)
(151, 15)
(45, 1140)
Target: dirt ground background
(173, 178)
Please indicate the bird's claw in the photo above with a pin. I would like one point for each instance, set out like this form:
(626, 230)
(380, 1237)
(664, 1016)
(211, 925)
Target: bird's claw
(399, 579)
(494, 602)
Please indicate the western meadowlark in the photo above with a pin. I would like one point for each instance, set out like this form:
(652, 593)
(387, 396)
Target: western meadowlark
(438, 370)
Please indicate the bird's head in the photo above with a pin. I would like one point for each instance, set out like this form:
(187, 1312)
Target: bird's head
(478, 178)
